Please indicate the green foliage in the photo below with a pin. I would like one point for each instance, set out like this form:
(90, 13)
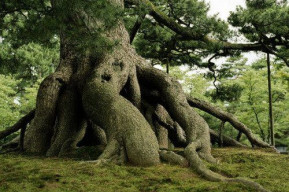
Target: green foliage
(13, 103)
(28, 97)
(231, 92)
(265, 22)
(83, 22)
(193, 84)
(159, 43)
(253, 105)
(265, 17)
(28, 62)
(21, 70)
(9, 112)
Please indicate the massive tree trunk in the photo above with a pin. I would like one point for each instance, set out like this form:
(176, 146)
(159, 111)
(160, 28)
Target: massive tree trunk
(121, 94)
(107, 91)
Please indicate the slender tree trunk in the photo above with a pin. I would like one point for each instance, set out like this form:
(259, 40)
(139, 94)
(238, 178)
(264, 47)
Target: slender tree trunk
(168, 66)
(270, 101)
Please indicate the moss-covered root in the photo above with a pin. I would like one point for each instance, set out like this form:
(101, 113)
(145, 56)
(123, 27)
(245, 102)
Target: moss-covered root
(173, 158)
(196, 163)
(113, 153)
(122, 121)
(252, 184)
(174, 101)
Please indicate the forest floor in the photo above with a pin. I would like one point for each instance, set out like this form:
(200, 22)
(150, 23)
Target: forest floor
(26, 173)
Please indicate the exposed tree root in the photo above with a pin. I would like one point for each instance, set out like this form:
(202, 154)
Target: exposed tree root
(14, 143)
(122, 122)
(196, 164)
(177, 135)
(71, 125)
(173, 158)
(94, 135)
(196, 148)
(41, 129)
(17, 126)
(227, 117)
(175, 132)
(174, 100)
(10, 150)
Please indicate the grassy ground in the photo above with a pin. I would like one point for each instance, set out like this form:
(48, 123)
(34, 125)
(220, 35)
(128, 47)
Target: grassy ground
(24, 173)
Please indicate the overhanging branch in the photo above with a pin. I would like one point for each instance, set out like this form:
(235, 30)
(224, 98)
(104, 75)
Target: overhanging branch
(188, 34)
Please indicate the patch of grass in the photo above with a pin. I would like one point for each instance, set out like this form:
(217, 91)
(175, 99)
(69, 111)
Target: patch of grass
(27, 173)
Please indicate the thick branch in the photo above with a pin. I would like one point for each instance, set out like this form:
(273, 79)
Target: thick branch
(225, 116)
(136, 27)
(21, 123)
(188, 34)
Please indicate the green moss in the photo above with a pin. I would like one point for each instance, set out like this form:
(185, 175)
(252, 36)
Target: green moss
(26, 173)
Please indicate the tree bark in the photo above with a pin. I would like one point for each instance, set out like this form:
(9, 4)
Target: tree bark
(41, 129)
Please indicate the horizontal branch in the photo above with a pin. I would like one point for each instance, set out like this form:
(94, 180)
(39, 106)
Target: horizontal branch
(188, 34)
(227, 117)
(21, 123)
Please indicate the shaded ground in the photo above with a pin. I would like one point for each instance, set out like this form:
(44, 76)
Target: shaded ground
(24, 173)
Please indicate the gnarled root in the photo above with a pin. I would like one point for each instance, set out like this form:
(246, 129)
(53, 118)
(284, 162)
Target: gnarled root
(173, 158)
(227, 141)
(122, 122)
(196, 164)
(70, 126)
(111, 97)
(40, 132)
(172, 97)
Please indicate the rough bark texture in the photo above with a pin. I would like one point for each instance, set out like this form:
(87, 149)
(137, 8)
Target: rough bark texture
(175, 102)
(41, 130)
(121, 120)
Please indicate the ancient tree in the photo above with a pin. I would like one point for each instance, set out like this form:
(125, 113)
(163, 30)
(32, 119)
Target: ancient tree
(104, 93)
